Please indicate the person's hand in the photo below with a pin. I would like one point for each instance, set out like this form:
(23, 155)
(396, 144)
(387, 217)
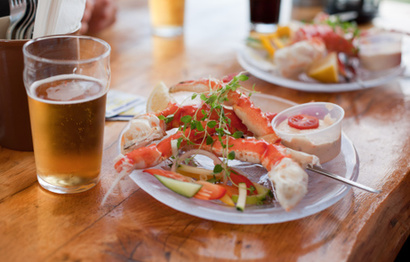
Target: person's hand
(88, 11)
(98, 15)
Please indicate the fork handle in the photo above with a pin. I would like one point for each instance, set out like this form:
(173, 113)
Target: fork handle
(321, 171)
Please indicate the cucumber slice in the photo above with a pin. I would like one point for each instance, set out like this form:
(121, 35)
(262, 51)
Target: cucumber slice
(240, 204)
(255, 199)
(186, 189)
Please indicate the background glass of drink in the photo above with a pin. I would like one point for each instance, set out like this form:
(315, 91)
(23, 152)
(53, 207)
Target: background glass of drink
(167, 17)
(66, 80)
(265, 15)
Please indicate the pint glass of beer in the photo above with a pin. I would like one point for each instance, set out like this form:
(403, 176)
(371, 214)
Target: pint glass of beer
(66, 80)
(167, 17)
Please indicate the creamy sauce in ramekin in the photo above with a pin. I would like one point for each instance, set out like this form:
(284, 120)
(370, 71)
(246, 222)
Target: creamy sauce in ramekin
(323, 123)
(328, 147)
(380, 51)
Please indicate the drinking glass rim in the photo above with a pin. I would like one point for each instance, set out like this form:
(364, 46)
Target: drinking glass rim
(105, 54)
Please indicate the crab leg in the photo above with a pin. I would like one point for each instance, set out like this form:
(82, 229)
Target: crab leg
(286, 173)
(142, 130)
(198, 112)
(253, 117)
(154, 154)
(147, 128)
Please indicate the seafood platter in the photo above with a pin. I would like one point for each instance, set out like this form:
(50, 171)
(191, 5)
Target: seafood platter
(209, 148)
(323, 56)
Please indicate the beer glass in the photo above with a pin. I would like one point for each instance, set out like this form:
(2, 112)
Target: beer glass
(66, 80)
(167, 17)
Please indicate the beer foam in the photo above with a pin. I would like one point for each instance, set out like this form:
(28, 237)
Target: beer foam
(75, 93)
(77, 89)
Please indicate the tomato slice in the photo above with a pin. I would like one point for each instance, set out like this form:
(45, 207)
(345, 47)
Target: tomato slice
(238, 178)
(303, 122)
(169, 174)
(209, 191)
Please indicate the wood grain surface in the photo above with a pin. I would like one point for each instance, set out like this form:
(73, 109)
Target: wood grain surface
(36, 225)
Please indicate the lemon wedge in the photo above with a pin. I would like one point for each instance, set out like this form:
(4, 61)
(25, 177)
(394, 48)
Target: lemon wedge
(159, 98)
(284, 31)
(266, 43)
(325, 70)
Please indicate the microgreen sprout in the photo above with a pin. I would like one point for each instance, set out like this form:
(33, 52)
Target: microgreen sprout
(345, 26)
(215, 99)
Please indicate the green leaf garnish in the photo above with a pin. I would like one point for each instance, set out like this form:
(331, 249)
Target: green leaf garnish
(186, 119)
(231, 155)
(217, 169)
(199, 126)
(195, 123)
(211, 124)
(203, 97)
(238, 134)
(167, 119)
(209, 140)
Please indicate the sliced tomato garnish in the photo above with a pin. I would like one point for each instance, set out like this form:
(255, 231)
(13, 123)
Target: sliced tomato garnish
(238, 178)
(303, 121)
(210, 191)
(169, 174)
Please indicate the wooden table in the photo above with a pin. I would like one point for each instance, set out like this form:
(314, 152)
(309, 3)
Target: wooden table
(36, 225)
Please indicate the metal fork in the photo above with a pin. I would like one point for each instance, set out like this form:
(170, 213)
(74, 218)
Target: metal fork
(17, 10)
(22, 30)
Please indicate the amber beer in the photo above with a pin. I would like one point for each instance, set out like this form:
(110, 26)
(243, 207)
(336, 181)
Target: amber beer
(167, 17)
(67, 119)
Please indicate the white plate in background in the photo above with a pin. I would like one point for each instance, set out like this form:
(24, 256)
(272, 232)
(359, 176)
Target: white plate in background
(265, 71)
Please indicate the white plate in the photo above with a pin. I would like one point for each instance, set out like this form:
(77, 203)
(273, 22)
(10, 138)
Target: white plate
(265, 71)
(322, 191)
